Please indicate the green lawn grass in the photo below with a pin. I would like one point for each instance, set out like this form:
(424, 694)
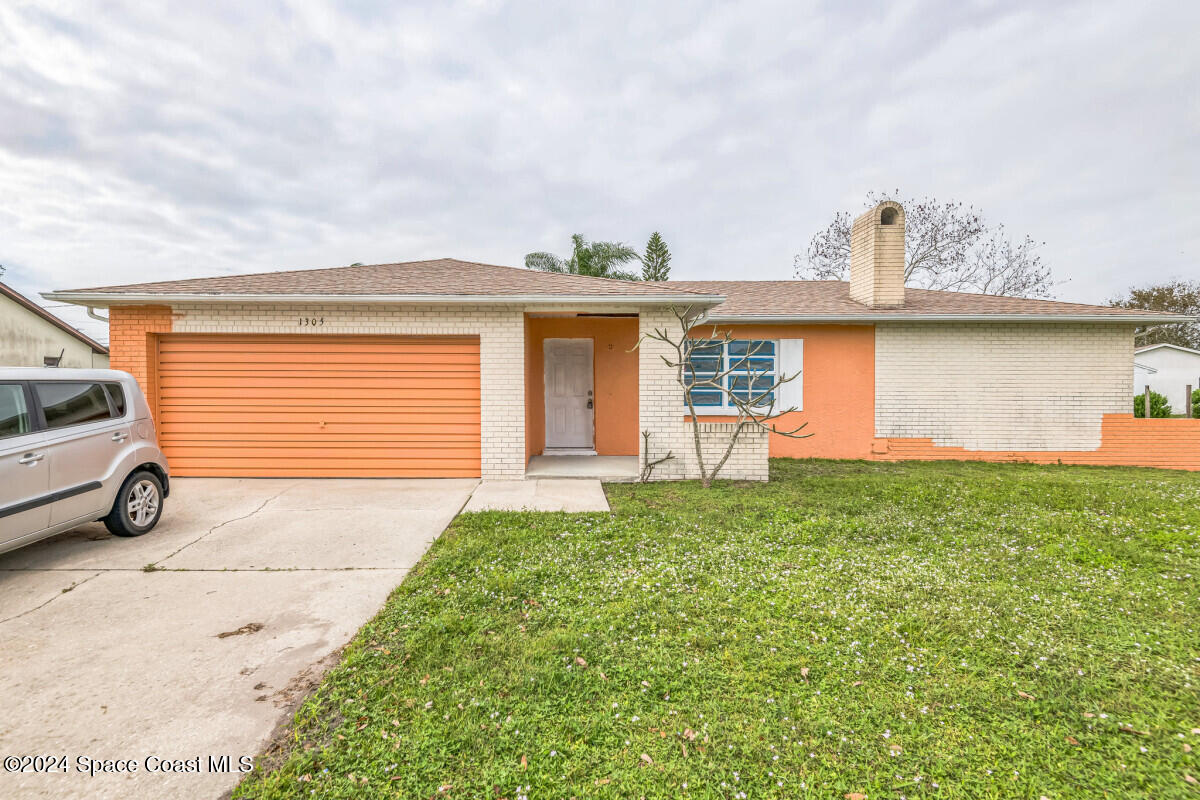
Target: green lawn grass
(893, 630)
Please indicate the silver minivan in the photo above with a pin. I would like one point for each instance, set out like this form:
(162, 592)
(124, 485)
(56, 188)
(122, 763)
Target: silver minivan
(76, 445)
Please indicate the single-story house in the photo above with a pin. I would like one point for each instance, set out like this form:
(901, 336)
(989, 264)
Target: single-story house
(30, 336)
(449, 368)
(1167, 369)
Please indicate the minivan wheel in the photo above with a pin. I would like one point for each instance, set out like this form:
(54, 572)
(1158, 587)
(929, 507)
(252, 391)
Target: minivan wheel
(137, 507)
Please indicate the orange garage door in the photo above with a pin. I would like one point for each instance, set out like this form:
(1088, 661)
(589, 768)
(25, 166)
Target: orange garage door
(331, 406)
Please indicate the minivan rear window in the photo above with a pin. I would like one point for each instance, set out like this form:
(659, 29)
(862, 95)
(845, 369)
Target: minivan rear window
(71, 403)
(14, 414)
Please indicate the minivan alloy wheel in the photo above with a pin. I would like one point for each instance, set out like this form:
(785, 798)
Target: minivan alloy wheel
(141, 504)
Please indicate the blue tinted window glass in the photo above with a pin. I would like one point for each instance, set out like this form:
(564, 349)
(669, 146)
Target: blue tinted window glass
(706, 397)
(753, 347)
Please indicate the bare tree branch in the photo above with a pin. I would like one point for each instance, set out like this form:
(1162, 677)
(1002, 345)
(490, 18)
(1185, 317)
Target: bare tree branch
(948, 246)
(648, 466)
(1178, 296)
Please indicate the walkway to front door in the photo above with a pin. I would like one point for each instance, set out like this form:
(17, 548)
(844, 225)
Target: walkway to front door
(569, 396)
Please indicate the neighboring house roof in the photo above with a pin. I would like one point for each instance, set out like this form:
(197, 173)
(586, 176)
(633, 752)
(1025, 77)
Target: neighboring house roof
(439, 280)
(1150, 347)
(29, 305)
(829, 301)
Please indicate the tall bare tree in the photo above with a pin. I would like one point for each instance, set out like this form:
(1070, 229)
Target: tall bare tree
(755, 402)
(1182, 297)
(948, 246)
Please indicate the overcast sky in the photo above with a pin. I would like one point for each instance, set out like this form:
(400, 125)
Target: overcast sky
(223, 137)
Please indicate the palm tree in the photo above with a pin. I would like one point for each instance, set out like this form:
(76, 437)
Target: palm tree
(594, 259)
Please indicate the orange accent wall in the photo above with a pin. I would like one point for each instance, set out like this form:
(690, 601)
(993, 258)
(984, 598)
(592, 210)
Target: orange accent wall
(1124, 441)
(133, 344)
(839, 389)
(615, 364)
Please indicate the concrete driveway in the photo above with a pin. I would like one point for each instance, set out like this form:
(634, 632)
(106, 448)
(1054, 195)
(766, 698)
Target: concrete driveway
(196, 639)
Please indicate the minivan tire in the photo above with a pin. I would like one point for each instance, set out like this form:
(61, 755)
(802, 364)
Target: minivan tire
(129, 515)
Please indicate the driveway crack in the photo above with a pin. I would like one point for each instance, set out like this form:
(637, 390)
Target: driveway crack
(72, 587)
(149, 567)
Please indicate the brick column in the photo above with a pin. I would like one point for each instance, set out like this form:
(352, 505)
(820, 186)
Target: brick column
(131, 344)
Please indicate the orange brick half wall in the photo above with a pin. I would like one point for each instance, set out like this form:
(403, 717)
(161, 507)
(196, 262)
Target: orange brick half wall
(839, 389)
(1124, 441)
(132, 344)
(615, 365)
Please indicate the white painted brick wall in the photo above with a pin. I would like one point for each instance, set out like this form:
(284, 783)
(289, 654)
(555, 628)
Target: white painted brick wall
(502, 353)
(1001, 386)
(501, 334)
(662, 411)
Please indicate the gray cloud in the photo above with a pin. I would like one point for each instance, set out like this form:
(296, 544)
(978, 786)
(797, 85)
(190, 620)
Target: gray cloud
(223, 137)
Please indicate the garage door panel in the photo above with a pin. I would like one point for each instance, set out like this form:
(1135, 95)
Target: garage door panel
(297, 469)
(338, 463)
(316, 343)
(284, 406)
(310, 381)
(449, 438)
(309, 431)
(454, 398)
(439, 449)
(301, 389)
(329, 417)
(342, 362)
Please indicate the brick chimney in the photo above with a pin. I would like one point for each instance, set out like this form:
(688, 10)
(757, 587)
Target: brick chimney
(877, 257)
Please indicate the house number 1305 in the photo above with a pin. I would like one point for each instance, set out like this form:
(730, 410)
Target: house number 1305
(311, 322)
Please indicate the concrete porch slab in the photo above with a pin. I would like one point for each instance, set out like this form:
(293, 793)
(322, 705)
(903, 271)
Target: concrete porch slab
(543, 494)
(609, 468)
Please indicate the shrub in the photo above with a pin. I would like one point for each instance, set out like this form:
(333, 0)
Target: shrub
(1195, 403)
(1159, 407)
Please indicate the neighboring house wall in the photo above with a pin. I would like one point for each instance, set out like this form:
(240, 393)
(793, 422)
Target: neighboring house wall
(26, 339)
(1174, 371)
(615, 368)
(1001, 386)
(500, 330)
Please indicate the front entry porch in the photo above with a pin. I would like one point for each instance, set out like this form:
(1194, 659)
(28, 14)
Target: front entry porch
(607, 468)
(581, 395)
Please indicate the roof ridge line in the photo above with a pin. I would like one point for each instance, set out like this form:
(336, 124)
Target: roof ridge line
(157, 286)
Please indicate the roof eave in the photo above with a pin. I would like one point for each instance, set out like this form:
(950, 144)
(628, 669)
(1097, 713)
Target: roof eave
(917, 317)
(1180, 348)
(109, 299)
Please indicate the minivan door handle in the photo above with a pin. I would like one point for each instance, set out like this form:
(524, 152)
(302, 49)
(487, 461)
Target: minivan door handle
(120, 436)
(31, 458)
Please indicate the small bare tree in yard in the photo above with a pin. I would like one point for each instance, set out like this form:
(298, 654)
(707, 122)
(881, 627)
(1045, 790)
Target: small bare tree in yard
(752, 394)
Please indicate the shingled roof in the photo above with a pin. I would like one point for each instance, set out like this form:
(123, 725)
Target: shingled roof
(452, 280)
(442, 278)
(830, 301)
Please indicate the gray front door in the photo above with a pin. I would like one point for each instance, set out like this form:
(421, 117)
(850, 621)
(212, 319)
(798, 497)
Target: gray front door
(569, 393)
